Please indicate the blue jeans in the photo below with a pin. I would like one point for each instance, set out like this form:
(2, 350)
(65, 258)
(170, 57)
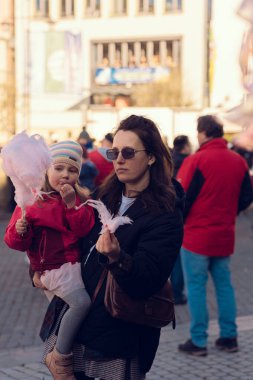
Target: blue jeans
(196, 267)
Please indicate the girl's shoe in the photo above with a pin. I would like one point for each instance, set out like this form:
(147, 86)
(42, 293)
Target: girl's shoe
(60, 366)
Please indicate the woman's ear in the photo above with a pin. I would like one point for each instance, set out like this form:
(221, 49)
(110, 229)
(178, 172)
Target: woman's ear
(152, 159)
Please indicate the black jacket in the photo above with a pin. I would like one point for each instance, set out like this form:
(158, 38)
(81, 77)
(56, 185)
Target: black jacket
(178, 159)
(153, 241)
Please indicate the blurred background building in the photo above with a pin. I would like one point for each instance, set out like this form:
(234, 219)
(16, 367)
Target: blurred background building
(69, 63)
(7, 69)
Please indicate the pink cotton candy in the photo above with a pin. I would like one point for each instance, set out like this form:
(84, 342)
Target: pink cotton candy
(26, 160)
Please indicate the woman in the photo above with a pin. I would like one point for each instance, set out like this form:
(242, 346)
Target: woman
(140, 255)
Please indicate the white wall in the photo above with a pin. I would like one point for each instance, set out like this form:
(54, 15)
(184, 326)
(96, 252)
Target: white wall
(228, 30)
(170, 123)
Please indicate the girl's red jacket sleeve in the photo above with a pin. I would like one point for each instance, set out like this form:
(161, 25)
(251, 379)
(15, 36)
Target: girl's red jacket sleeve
(12, 238)
(80, 221)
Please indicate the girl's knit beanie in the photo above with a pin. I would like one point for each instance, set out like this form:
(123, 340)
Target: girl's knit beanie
(68, 152)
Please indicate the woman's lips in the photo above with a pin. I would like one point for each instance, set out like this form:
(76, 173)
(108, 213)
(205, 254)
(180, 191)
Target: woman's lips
(121, 170)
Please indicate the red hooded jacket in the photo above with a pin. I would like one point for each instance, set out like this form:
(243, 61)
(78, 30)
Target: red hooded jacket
(53, 232)
(218, 187)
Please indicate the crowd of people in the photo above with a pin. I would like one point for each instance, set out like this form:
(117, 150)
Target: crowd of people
(182, 208)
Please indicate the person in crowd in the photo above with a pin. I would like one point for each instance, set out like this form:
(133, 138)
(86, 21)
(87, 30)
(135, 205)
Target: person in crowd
(50, 234)
(139, 255)
(246, 154)
(88, 172)
(85, 139)
(99, 158)
(181, 150)
(218, 187)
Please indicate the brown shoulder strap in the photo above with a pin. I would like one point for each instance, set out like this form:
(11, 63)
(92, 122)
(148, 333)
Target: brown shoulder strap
(99, 284)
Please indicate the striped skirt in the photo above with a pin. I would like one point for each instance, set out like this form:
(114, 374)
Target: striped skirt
(99, 368)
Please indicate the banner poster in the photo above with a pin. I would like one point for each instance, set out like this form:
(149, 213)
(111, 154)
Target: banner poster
(55, 62)
(73, 66)
(124, 75)
(37, 62)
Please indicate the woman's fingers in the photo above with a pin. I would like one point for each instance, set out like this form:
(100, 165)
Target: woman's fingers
(104, 242)
(108, 244)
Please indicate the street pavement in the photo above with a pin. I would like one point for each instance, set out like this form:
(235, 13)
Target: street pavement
(23, 307)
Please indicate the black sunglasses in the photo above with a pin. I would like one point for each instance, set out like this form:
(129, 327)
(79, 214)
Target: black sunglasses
(127, 153)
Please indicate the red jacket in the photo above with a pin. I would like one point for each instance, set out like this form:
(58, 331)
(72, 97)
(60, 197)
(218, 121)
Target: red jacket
(53, 233)
(103, 165)
(217, 186)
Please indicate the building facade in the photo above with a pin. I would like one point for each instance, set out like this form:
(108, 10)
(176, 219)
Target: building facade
(75, 54)
(7, 69)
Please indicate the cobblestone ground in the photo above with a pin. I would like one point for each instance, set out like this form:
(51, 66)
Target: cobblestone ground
(171, 365)
(23, 307)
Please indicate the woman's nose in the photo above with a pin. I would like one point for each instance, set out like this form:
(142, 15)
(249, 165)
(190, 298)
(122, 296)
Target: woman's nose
(120, 158)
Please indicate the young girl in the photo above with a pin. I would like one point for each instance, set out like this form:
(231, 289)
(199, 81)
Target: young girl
(50, 233)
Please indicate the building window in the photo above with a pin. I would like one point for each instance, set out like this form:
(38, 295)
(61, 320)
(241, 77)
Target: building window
(132, 62)
(119, 7)
(173, 5)
(92, 8)
(146, 6)
(42, 8)
(67, 8)
(138, 54)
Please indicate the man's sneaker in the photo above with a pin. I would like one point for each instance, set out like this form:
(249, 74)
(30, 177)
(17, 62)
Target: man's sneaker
(227, 344)
(190, 348)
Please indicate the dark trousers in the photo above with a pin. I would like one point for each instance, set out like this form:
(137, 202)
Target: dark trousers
(177, 280)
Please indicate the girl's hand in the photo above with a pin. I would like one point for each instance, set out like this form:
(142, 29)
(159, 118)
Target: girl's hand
(108, 245)
(37, 282)
(68, 195)
(21, 226)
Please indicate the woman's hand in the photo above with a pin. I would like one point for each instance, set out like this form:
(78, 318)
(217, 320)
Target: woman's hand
(68, 195)
(37, 282)
(21, 226)
(108, 245)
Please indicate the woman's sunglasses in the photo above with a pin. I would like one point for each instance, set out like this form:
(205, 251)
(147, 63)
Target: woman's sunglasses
(127, 153)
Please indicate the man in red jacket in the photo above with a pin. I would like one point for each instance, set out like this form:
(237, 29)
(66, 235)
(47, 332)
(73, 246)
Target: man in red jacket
(98, 157)
(217, 185)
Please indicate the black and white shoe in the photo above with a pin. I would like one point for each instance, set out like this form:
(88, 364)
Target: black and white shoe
(190, 348)
(227, 344)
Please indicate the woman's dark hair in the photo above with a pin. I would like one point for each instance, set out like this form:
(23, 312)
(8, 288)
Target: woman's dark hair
(160, 193)
(210, 125)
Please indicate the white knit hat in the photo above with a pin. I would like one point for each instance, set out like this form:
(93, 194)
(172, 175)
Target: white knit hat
(69, 152)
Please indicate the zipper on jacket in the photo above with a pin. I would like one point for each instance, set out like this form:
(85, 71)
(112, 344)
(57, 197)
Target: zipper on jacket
(42, 248)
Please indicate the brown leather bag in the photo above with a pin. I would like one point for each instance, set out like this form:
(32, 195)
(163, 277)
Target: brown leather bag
(156, 311)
